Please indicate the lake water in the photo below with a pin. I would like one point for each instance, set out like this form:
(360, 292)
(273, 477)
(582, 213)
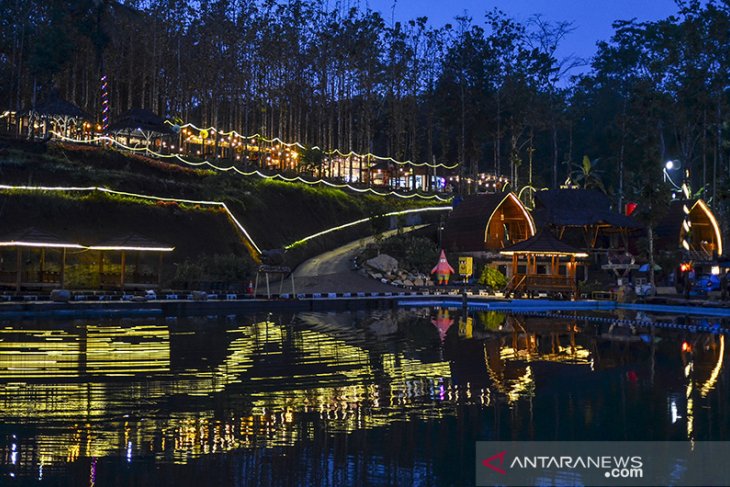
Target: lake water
(387, 397)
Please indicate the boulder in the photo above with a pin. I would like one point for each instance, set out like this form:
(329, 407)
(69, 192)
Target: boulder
(397, 282)
(408, 283)
(200, 296)
(383, 263)
(61, 295)
(419, 282)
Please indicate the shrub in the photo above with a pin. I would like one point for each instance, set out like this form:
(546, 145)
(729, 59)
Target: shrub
(492, 278)
(228, 269)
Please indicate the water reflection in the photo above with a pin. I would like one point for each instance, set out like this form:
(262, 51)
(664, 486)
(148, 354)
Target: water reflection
(170, 391)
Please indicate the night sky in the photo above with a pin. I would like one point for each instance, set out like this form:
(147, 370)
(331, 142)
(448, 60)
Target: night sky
(591, 18)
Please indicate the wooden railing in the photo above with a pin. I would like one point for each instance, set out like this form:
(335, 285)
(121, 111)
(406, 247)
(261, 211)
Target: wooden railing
(514, 284)
(540, 283)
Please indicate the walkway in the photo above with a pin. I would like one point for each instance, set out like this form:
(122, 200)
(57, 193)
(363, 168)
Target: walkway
(332, 271)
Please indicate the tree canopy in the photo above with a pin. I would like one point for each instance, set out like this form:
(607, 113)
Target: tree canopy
(486, 91)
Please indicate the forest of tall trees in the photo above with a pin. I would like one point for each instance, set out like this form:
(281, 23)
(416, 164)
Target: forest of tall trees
(486, 91)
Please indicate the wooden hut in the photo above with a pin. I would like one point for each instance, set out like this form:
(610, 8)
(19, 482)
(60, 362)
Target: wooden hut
(549, 266)
(137, 245)
(34, 241)
(703, 231)
(490, 221)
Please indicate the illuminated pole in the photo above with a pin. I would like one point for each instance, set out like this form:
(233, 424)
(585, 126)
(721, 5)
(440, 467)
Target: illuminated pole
(686, 223)
(104, 104)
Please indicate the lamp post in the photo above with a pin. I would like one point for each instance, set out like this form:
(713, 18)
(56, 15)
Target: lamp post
(671, 165)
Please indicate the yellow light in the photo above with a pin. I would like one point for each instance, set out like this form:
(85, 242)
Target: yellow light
(252, 173)
(131, 248)
(579, 255)
(141, 196)
(363, 220)
(713, 222)
(46, 245)
(278, 142)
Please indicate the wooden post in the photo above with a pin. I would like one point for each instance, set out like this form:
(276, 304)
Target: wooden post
(63, 267)
(572, 277)
(268, 290)
(101, 269)
(514, 264)
(42, 265)
(159, 271)
(18, 268)
(121, 276)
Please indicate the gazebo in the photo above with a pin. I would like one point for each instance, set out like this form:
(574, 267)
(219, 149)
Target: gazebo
(61, 113)
(138, 244)
(546, 276)
(140, 123)
(31, 239)
(585, 212)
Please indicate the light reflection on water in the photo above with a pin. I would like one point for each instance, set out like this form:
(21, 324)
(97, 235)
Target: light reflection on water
(372, 397)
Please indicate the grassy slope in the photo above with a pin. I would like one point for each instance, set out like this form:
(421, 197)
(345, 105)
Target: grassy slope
(275, 213)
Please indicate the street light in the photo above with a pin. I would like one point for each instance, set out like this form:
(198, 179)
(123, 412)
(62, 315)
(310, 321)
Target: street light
(671, 165)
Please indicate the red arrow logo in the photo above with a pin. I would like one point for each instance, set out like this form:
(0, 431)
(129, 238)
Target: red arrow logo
(499, 456)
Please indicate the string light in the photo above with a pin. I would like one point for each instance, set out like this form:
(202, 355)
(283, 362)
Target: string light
(20, 243)
(140, 196)
(277, 140)
(363, 220)
(255, 172)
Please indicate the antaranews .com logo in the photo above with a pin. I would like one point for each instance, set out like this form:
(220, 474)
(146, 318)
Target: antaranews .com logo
(603, 463)
(612, 466)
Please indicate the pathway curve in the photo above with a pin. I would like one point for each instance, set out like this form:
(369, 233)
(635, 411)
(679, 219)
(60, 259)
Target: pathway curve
(332, 271)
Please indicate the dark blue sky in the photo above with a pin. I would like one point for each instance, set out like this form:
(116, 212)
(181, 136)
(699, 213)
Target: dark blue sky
(591, 18)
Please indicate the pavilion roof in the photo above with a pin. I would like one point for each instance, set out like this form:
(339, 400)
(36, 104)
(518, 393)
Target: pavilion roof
(62, 108)
(33, 237)
(578, 207)
(132, 241)
(140, 121)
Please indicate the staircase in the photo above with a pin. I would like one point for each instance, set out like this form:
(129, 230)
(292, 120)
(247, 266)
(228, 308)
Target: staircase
(516, 284)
